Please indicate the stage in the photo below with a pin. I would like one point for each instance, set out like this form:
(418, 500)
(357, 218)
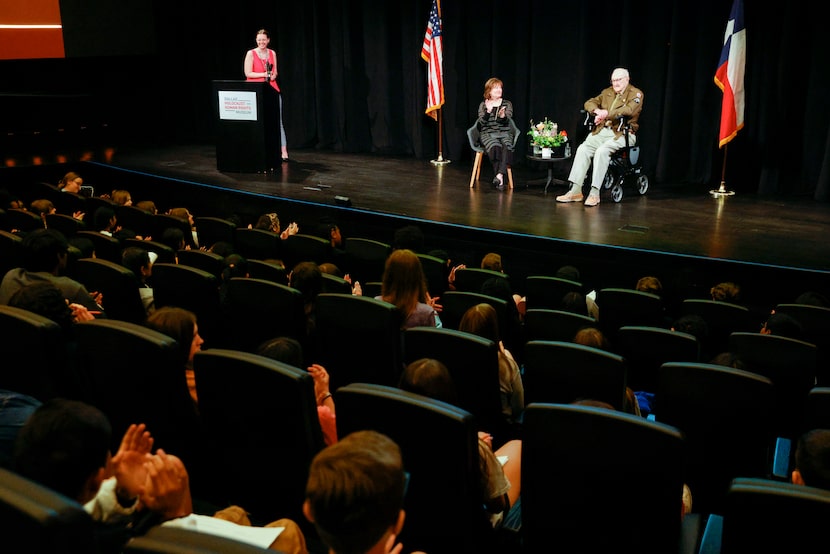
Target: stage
(788, 232)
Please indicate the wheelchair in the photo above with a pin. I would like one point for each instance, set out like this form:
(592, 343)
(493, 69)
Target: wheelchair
(625, 166)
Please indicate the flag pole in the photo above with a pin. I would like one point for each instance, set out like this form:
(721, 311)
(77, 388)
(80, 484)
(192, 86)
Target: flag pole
(440, 160)
(722, 191)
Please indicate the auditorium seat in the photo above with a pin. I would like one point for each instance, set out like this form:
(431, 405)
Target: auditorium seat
(558, 325)
(365, 258)
(439, 445)
(646, 349)
(117, 284)
(202, 259)
(192, 289)
(214, 229)
(260, 416)
(547, 292)
(455, 304)
(575, 458)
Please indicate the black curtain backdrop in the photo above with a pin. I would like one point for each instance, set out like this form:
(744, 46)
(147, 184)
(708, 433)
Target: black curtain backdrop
(353, 79)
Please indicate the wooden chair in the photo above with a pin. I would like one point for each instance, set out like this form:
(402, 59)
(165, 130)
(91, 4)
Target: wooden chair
(474, 137)
(573, 456)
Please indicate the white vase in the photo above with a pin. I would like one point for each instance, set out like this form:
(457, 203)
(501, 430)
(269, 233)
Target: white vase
(547, 153)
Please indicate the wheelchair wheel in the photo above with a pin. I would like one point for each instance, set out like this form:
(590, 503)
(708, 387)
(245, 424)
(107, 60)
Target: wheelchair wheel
(642, 184)
(608, 181)
(617, 191)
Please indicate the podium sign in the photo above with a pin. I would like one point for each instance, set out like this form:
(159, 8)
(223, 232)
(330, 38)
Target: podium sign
(247, 135)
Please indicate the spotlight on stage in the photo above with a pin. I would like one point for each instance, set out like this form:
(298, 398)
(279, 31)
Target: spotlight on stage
(343, 201)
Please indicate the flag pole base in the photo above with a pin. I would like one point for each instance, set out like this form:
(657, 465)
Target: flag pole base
(722, 191)
(440, 160)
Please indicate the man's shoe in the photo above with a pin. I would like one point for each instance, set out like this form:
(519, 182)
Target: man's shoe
(570, 197)
(592, 200)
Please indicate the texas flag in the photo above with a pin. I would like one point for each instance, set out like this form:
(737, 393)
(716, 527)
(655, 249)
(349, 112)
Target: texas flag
(730, 75)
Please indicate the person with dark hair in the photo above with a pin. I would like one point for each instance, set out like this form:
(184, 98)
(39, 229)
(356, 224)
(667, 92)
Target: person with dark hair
(409, 237)
(140, 262)
(174, 238)
(180, 325)
(105, 222)
(45, 254)
(261, 65)
(65, 446)
(813, 298)
(234, 265)
(500, 482)
(290, 351)
(783, 325)
(812, 459)
(307, 278)
(271, 222)
(355, 492)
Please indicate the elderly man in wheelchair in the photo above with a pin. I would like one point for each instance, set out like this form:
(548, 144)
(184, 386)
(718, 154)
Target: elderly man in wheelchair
(614, 113)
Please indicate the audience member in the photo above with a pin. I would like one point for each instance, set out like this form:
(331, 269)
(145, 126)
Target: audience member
(500, 482)
(726, 292)
(222, 248)
(307, 278)
(575, 302)
(290, 351)
(409, 237)
(404, 285)
(121, 197)
(15, 409)
(355, 492)
(813, 298)
(105, 222)
(271, 222)
(148, 206)
(233, 265)
(812, 459)
(571, 273)
(482, 320)
(180, 325)
(65, 446)
(650, 284)
(185, 215)
(595, 338)
(45, 254)
(729, 359)
(783, 325)
(174, 238)
(332, 269)
(71, 182)
(140, 262)
(42, 207)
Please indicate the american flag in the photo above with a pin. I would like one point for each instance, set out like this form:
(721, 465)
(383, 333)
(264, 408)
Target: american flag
(433, 53)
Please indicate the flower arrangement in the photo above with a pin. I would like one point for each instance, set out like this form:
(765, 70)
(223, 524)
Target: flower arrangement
(546, 134)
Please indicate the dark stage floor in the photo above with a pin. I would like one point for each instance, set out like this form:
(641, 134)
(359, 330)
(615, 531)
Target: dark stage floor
(787, 232)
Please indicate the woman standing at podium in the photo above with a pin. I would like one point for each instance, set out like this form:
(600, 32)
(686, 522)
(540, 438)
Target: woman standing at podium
(261, 66)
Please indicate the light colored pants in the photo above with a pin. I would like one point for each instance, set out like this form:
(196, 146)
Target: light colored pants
(597, 148)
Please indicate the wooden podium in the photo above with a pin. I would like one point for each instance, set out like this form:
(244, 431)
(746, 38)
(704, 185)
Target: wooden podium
(248, 119)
